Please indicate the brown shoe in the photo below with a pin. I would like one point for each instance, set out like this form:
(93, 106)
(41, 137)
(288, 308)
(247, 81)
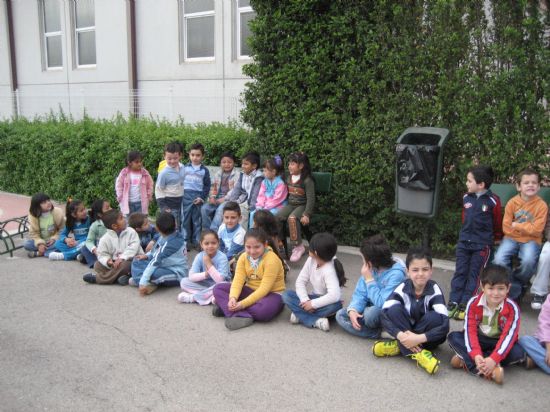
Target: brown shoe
(498, 375)
(147, 290)
(529, 363)
(457, 363)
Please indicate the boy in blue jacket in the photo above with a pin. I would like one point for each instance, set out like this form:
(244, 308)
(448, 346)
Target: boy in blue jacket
(415, 315)
(380, 275)
(166, 264)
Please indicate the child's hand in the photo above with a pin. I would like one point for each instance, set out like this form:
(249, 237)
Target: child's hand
(354, 316)
(207, 261)
(140, 257)
(488, 366)
(94, 251)
(70, 242)
(304, 220)
(198, 201)
(366, 271)
(41, 249)
(411, 340)
(233, 305)
(307, 306)
(479, 361)
(110, 263)
(149, 246)
(50, 242)
(117, 263)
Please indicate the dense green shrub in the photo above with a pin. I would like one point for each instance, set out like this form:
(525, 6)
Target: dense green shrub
(82, 158)
(341, 79)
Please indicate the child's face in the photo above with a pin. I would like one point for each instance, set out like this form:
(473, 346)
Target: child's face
(145, 226)
(270, 173)
(528, 186)
(136, 165)
(227, 164)
(195, 156)
(106, 207)
(295, 168)
(231, 218)
(172, 159)
(210, 244)
(248, 167)
(472, 186)
(120, 224)
(254, 248)
(46, 206)
(80, 213)
(495, 294)
(419, 271)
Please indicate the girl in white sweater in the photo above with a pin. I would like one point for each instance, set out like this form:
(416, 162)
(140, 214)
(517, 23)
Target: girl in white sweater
(326, 276)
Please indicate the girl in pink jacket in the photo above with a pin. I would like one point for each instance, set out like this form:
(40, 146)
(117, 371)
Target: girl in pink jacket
(273, 190)
(134, 186)
(538, 346)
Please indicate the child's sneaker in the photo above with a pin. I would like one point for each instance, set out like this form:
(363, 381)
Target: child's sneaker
(452, 307)
(185, 297)
(132, 282)
(123, 280)
(536, 303)
(383, 348)
(460, 312)
(426, 360)
(56, 256)
(498, 375)
(147, 289)
(89, 278)
(80, 258)
(297, 252)
(457, 363)
(529, 362)
(217, 311)
(294, 319)
(33, 254)
(322, 323)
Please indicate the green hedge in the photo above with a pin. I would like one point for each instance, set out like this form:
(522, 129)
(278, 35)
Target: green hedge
(82, 158)
(341, 79)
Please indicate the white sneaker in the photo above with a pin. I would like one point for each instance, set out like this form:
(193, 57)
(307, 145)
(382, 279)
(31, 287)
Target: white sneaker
(185, 297)
(536, 303)
(322, 323)
(293, 319)
(56, 256)
(297, 252)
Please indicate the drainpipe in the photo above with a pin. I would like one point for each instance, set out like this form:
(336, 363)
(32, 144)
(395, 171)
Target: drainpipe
(13, 63)
(132, 59)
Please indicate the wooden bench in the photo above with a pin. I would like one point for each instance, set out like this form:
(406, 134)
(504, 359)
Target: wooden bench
(506, 191)
(9, 229)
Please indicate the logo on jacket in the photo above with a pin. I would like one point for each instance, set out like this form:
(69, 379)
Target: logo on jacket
(467, 205)
(484, 208)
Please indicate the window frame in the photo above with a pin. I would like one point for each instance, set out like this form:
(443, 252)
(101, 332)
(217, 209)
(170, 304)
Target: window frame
(184, 36)
(76, 32)
(45, 35)
(239, 11)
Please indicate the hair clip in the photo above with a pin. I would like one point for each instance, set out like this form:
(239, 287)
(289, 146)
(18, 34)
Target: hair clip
(278, 160)
(69, 199)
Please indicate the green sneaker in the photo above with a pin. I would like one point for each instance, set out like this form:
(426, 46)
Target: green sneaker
(383, 348)
(426, 360)
(460, 312)
(452, 307)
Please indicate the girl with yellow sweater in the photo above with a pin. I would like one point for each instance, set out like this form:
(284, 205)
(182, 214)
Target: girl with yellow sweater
(255, 293)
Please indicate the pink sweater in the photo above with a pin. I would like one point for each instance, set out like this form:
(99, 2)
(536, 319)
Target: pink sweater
(122, 188)
(543, 326)
(272, 194)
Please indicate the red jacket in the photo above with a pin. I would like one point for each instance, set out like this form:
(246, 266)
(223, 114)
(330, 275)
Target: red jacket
(508, 323)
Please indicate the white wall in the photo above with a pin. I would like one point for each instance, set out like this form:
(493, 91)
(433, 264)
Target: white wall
(5, 74)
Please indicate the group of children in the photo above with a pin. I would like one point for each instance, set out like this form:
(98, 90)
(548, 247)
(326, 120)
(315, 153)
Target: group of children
(242, 274)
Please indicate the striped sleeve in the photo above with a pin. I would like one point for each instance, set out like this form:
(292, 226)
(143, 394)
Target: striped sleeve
(470, 329)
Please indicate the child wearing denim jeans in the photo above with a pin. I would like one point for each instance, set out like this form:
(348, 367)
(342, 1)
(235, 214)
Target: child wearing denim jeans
(380, 274)
(134, 185)
(169, 186)
(326, 275)
(147, 233)
(73, 236)
(523, 223)
(45, 225)
(538, 346)
(539, 287)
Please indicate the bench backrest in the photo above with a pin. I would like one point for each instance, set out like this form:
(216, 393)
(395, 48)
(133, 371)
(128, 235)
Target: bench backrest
(506, 191)
(323, 182)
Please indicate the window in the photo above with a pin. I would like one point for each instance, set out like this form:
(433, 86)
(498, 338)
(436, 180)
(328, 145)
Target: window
(198, 30)
(244, 15)
(51, 25)
(84, 22)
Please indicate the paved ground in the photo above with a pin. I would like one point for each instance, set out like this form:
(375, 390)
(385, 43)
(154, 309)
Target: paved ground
(67, 345)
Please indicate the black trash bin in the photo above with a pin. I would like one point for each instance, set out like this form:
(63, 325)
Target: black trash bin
(419, 168)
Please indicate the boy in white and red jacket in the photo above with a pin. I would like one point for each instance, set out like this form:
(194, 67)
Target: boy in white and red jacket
(491, 327)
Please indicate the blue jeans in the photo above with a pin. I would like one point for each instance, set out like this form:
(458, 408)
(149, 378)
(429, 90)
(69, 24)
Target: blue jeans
(528, 254)
(89, 256)
(69, 253)
(218, 218)
(191, 217)
(370, 323)
(29, 245)
(171, 205)
(134, 207)
(536, 351)
(208, 210)
(291, 299)
(161, 276)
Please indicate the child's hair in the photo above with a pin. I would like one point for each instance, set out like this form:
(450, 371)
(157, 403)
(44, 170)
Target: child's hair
(418, 252)
(301, 158)
(207, 232)
(265, 220)
(232, 207)
(275, 163)
(528, 171)
(324, 245)
(229, 155)
(262, 237)
(197, 146)
(136, 220)
(376, 250)
(173, 147)
(495, 275)
(96, 210)
(482, 174)
(166, 223)
(132, 156)
(72, 207)
(110, 218)
(252, 157)
(35, 209)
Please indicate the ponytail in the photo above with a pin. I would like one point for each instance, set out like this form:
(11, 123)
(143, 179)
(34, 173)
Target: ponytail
(339, 268)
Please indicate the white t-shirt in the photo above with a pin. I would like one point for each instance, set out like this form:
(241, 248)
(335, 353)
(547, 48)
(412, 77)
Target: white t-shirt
(135, 190)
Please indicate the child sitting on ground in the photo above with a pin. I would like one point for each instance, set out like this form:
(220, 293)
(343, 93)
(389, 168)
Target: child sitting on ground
(523, 223)
(481, 223)
(74, 235)
(231, 233)
(88, 253)
(166, 264)
(169, 186)
(209, 268)
(148, 236)
(45, 224)
(380, 274)
(539, 288)
(326, 275)
(134, 185)
(538, 346)
(273, 190)
(415, 315)
(491, 328)
(116, 249)
(255, 293)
